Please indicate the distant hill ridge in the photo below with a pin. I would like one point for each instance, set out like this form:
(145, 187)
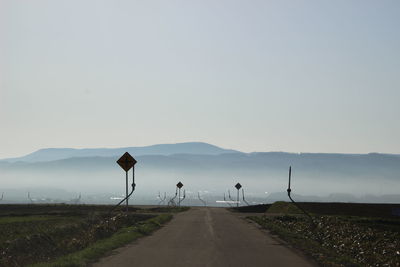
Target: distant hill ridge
(52, 154)
(204, 152)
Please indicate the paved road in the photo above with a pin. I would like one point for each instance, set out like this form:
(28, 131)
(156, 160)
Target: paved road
(206, 237)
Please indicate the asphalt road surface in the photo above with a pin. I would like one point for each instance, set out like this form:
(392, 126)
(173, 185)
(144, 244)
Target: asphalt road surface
(206, 237)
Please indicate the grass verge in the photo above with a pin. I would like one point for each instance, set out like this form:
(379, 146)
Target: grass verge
(310, 247)
(101, 247)
(339, 240)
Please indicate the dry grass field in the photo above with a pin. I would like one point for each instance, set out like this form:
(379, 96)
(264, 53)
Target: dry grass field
(43, 233)
(343, 234)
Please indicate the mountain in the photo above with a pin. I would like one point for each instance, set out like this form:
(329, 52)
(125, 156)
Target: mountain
(216, 171)
(52, 154)
(310, 165)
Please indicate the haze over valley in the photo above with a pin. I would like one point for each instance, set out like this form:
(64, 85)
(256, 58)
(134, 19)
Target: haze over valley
(60, 175)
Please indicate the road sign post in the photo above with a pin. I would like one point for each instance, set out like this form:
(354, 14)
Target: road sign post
(126, 161)
(179, 185)
(126, 190)
(289, 190)
(238, 186)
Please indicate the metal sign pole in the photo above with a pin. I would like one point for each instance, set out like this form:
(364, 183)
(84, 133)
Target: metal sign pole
(179, 198)
(179, 186)
(126, 191)
(126, 162)
(289, 190)
(238, 186)
(237, 203)
(133, 178)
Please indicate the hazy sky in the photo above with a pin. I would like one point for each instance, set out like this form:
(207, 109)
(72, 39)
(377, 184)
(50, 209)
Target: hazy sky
(300, 76)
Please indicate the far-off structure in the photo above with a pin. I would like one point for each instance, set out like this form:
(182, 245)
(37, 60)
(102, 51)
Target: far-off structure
(238, 186)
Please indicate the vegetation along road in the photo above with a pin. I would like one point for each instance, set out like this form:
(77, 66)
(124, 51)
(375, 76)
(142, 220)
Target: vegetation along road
(206, 237)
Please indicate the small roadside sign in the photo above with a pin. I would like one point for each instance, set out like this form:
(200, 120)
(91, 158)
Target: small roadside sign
(238, 186)
(179, 185)
(126, 161)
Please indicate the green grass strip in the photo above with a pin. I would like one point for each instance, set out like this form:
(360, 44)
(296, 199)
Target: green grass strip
(101, 247)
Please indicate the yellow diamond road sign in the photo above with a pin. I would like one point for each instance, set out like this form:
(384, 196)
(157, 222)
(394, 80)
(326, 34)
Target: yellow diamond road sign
(126, 161)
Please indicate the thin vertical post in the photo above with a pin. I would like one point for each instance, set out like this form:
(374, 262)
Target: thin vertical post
(179, 198)
(289, 190)
(126, 191)
(237, 203)
(133, 178)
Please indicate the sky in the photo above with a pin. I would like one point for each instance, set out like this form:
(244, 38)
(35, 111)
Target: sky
(296, 76)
